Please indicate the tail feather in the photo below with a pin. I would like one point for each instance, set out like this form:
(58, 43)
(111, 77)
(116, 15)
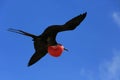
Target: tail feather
(21, 32)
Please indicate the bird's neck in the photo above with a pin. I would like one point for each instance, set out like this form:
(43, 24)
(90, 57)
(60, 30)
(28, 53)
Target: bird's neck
(55, 44)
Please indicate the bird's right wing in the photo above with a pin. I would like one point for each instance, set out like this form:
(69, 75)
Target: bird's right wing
(74, 22)
(69, 25)
(52, 31)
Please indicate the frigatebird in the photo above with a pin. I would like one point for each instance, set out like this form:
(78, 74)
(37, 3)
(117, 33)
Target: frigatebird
(48, 37)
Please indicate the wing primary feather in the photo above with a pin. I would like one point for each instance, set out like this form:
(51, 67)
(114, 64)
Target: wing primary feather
(74, 22)
(52, 31)
(69, 25)
(36, 57)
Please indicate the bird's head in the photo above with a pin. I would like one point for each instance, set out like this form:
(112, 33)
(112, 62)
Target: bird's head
(56, 50)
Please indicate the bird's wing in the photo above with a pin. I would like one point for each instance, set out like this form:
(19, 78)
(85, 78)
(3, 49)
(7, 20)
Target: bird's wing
(69, 25)
(52, 31)
(36, 56)
(74, 22)
(40, 47)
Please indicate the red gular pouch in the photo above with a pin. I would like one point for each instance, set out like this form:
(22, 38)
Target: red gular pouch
(56, 50)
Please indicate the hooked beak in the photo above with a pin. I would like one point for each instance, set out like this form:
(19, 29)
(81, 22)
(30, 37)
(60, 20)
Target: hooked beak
(65, 49)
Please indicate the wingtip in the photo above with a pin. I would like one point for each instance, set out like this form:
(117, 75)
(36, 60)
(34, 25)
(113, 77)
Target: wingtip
(29, 64)
(85, 13)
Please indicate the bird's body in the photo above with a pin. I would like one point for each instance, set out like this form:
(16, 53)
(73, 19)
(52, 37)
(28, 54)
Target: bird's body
(48, 37)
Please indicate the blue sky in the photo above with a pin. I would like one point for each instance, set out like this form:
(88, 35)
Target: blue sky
(94, 46)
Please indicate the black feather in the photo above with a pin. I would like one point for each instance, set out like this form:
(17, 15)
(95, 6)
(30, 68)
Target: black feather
(48, 37)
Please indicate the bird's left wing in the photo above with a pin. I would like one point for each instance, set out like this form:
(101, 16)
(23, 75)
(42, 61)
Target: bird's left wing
(40, 47)
(36, 57)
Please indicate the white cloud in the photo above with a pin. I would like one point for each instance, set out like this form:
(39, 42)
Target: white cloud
(110, 70)
(116, 17)
(107, 70)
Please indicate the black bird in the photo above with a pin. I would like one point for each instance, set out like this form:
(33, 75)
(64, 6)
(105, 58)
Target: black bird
(48, 37)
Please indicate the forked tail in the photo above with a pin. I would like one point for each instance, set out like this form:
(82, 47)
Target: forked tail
(22, 32)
